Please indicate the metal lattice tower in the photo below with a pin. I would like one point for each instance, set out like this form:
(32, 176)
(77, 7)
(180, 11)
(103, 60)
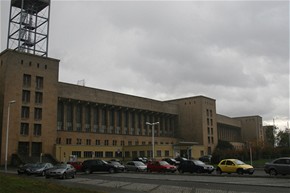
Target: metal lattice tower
(29, 26)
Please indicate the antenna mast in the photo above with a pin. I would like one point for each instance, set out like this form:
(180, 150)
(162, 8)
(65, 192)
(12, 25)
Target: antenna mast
(29, 26)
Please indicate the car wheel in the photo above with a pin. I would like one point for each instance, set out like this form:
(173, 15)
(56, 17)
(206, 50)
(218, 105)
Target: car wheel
(64, 176)
(199, 171)
(88, 171)
(240, 171)
(219, 171)
(111, 170)
(273, 172)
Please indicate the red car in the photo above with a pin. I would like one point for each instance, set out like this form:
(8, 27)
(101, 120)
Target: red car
(77, 165)
(160, 166)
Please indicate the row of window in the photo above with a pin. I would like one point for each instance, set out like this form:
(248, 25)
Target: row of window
(24, 129)
(127, 154)
(26, 97)
(98, 142)
(25, 112)
(97, 115)
(27, 81)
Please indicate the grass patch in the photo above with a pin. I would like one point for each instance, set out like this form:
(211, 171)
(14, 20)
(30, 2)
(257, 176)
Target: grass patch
(10, 183)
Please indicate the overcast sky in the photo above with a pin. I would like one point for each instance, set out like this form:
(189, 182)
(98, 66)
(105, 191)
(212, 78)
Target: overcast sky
(236, 52)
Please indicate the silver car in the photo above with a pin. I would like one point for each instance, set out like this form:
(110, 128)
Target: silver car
(278, 166)
(61, 171)
(39, 168)
(137, 166)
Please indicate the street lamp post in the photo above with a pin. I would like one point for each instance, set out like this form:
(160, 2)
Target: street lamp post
(152, 124)
(7, 134)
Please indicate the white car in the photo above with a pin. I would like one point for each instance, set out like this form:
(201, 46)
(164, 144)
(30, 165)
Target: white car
(137, 166)
(61, 171)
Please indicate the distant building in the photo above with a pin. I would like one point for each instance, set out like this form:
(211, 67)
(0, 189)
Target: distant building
(68, 121)
(56, 120)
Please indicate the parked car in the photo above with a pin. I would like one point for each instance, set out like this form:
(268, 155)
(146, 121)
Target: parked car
(77, 165)
(137, 166)
(61, 171)
(234, 166)
(118, 165)
(195, 166)
(171, 161)
(180, 159)
(160, 166)
(278, 166)
(206, 158)
(142, 159)
(25, 169)
(97, 165)
(40, 168)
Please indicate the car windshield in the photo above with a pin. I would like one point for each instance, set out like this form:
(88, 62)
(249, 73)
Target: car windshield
(104, 162)
(139, 164)
(197, 162)
(40, 165)
(163, 163)
(239, 162)
(115, 163)
(60, 166)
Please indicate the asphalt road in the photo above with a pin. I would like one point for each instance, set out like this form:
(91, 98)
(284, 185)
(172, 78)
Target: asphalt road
(177, 183)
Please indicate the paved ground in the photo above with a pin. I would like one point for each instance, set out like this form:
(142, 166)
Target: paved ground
(160, 183)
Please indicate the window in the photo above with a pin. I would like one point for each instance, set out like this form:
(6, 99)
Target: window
(37, 130)
(114, 142)
(106, 142)
(99, 154)
(24, 129)
(98, 142)
(79, 141)
(25, 112)
(37, 113)
(88, 154)
(38, 97)
(158, 153)
(109, 154)
(26, 80)
(134, 154)
(127, 153)
(122, 143)
(166, 153)
(25, 96)
(88, 142)
(77, 153)
(142, 153)
(68, 141)
(39, 82)
(129, 142)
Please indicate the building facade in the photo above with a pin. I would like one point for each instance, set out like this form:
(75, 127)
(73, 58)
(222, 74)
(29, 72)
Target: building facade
(70, 121)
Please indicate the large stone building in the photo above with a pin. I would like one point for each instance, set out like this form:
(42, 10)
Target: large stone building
(67, 121)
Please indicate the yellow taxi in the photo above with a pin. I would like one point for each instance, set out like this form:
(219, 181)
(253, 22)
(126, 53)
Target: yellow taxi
(234, 166)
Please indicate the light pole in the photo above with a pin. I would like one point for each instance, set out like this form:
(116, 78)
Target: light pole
(152, 124)
(7, 134)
